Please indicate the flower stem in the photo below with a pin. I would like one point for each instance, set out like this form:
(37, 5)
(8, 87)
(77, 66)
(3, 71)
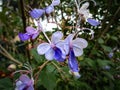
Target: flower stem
(41, 28)
(6, 54)
(46, 37)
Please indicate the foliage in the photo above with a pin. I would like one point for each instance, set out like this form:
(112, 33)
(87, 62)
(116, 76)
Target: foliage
(98, 69)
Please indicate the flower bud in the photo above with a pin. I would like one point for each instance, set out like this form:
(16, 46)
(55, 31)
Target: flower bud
(11, 67)
(49, 9)
(55, 2)
(36, 13)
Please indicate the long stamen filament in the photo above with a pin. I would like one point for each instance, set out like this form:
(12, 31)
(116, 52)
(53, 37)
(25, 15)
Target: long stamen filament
(41, 28)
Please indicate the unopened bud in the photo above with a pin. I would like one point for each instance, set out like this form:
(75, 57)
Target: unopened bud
(11, 67)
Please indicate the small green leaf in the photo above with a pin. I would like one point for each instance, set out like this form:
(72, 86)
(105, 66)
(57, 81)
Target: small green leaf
(4, 82)
(109, 75)
(48, 80)
(100, 40)
(106, 48)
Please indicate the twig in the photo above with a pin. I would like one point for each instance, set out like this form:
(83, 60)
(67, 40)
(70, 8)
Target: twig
(6, 54)
(59, 70)
(111, 21)
(40, 68)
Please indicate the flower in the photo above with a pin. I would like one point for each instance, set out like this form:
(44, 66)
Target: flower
(93, 22)
(55, 2)
(85, 13)
(110, 55)
(36, 13)
(30, 33)
(74, 48)
(49, 9)
(54, 49)
(24, 83)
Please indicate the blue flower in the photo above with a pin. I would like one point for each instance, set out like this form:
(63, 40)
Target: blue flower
(54, 49)
(49, 9)
(55, 2)
(110, 55)
(72, 62)
(24, 83)
(36, 13)
(30, 33)
(85, 13)
(74, 48)
(93, 22)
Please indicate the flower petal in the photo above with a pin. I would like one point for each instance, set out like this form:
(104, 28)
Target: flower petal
(49, 9)
(43, 48)
(56, 37)
(77, 51)
(93, 22)
(58, 55)
(30, 30)
(64, 47)
(80, 43)
(76, 74)
(24, 78)
(72, 62)
(23, 36)
(30, 88)
(35, 35)
(85, 5)
(36, 13)
(50, 54)
(69, 38)
(55, 2)
(21, 87)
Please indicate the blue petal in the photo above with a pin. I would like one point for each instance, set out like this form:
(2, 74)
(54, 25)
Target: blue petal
(24, 78)
(55, 2)
(72, 62)
(36, 13)
(23, 36)
(21, 87)
(49, 9)
(58, 55)
(30, 87)
(93, 22)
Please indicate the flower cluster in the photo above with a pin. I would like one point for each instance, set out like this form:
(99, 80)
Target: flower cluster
(30, 33)
(24, 83)
(84, 13)
(37, 13)
(58, 48)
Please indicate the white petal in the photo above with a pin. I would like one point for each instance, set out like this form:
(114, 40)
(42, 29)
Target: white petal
(56, 36)
(85, 5)
(30, 30)
(63, 46)
(43, 48)
(55, 2)
(80, 43)
(77, 51)
(69, 38)
(77, 75)
(50, 54)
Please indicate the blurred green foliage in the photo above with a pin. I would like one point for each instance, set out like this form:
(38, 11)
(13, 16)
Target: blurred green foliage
(98, 71)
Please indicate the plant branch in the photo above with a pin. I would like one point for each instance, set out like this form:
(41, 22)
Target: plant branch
(6, 54)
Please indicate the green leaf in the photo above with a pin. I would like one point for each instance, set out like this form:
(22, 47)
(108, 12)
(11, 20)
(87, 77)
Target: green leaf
(109, 75)
(4, 82)
(48, 80)
(107, 48)
(114, 38)
(36, 56)
(103, 63)
(100, 40)
(90, 62)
